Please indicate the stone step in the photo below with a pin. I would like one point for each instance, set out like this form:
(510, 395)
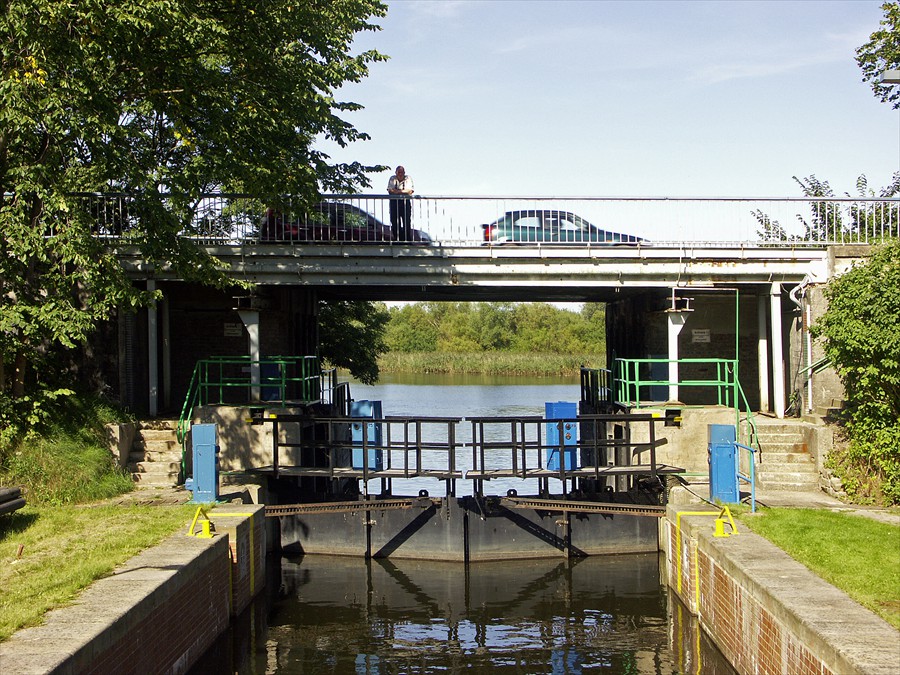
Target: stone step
(784, 458)
(155, 480)
(156, 425)
(155, 467)
(785, 486)
(170, 445)
(156, 457)
(148, 435)
(787, 478)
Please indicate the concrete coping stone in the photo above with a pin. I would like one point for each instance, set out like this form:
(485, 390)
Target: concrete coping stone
(825, 618)
(77, 633)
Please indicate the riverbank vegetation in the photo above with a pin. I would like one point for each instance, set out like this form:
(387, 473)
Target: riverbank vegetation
(65, 458)
(488, 363)
(859, 555)
(494, 338)
(67, 536)
(860, 333)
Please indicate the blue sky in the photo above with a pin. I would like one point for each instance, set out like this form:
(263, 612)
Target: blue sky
(594, 98)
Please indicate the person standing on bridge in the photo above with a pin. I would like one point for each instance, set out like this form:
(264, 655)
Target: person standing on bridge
(400, 187)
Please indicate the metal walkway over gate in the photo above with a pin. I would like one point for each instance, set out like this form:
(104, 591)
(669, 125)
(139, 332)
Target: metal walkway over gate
(589, 455)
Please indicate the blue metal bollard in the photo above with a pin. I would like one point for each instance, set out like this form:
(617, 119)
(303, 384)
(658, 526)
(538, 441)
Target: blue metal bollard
(205, 482)
(556, 411)
(374, 459)
(723, 464)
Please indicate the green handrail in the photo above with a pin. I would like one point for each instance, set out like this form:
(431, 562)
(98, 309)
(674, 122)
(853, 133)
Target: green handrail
(220, 377)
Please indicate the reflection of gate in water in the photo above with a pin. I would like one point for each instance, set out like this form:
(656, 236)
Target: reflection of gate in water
(600, 453)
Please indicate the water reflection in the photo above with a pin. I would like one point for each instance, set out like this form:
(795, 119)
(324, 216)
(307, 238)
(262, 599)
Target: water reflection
(600, 614)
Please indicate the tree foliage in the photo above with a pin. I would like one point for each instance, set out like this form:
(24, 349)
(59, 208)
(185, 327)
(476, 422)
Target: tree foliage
(459, 327)
(861, 337)
(832, 221)
(161, 100)
(351, 336)
(881, 53)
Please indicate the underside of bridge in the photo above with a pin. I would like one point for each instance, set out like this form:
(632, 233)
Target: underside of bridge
(757, 324)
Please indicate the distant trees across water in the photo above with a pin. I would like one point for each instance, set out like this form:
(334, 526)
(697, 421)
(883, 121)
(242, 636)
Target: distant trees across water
(502, 327)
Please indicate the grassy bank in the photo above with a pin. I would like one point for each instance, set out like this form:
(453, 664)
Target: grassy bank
(488, 363)
(859, 555)
(65, 538)
(49, 554)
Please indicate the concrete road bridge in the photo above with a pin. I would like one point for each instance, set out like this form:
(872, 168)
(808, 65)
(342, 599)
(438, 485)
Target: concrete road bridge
(682, 277)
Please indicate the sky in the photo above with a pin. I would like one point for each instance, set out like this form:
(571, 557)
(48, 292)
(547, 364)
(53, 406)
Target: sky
(616, 99)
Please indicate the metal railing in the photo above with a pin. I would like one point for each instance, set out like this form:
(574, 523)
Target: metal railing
(403, 447)
(240, 380)
(235, 219)
(637, 388)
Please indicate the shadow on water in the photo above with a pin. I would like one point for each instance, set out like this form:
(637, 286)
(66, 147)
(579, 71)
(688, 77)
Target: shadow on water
(347, 615)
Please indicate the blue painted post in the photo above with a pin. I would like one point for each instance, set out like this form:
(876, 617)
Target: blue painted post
(723, 464)
(562, 410)
(205, 482)
(374, 456)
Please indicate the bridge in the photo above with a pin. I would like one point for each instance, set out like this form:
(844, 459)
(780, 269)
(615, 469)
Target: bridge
(684, 242)
(682, 278)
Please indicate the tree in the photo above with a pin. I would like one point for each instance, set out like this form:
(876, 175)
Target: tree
(161, 100)
(881, 53)
(861, 337)
(351, 336)
(828, 221)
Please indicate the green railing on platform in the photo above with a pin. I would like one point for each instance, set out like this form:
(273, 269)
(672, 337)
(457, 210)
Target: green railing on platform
(635, 388)
(238, 380)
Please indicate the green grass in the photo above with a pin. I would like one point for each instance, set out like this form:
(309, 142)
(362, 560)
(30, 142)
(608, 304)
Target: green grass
(70, 462)
(859, 555)
(488, 363)
(65, 548)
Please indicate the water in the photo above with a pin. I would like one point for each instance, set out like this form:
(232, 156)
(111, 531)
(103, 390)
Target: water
(603, 614)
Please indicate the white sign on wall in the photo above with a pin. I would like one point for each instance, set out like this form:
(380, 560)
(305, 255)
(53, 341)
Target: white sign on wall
(700, 335)
(233, 330)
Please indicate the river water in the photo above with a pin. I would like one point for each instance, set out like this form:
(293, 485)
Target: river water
(605, 614)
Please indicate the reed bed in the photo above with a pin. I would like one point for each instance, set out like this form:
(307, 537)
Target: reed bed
(488, 363)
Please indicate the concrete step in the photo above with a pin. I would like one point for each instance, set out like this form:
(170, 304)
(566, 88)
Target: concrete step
(786, 485)
(168, 445)
(155, 467)
(142, 456)
(169, 479)
(785, 458)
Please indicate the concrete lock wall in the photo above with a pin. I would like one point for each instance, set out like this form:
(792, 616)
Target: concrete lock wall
(763, 609)
(157, 613)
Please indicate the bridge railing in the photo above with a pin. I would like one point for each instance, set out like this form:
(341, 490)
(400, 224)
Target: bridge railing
(235, 219)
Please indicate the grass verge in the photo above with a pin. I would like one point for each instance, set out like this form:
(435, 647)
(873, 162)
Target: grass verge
(65, 548)
(859, 555)
(488, 363)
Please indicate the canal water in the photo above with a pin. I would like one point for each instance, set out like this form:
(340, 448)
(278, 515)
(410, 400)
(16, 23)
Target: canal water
(602, 614)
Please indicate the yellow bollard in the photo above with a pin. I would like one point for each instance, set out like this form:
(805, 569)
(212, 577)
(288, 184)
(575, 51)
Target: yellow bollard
(205, 530)
(720, 528)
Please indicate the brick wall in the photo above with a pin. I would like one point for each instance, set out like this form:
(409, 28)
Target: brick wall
(158, 613)
(764, 610)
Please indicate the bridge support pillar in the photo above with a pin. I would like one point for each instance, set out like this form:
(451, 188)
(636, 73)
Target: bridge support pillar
(676, 323)
(762, 351)
(777, 352)
(250, 318)
(152, 353)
